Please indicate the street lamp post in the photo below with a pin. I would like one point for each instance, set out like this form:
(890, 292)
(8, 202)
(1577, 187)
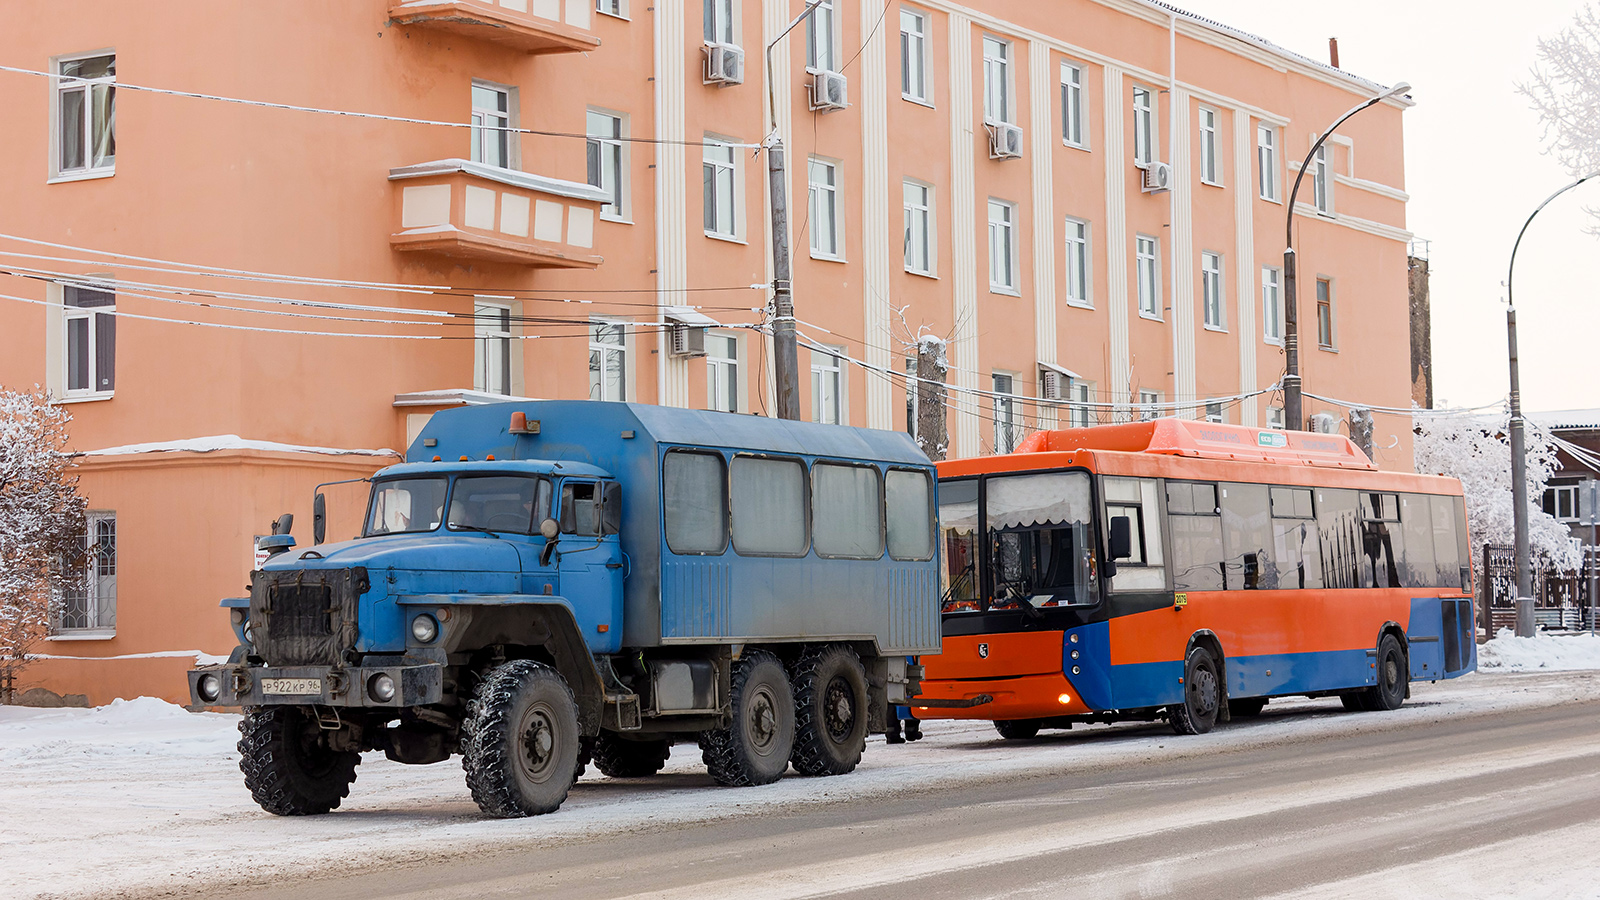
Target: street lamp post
(1519, 451)
(1293, 416)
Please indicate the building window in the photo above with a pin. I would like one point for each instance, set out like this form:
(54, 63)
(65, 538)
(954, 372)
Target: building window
(823, 187)
(996, 80)
(92, 606)
(1275, 417)
(722, 372)
(86, 116)
(1271, 306)
(827, 388)
(492, 117)
(1147, 264)
(1072, 123)
(607, 168)
(91, 333)
(1211, 289)
(1214, 412)
(1561, 501)
(719, 185)
(821, 51)
(1321, 182)
(1002, 246)
(718, 16)
(1079, 412)
(1267, 161)
(1078, 263)
(608, 361)
(1144, 126)
(492, 349)
(1149, 405)
(1210, 173)
(914, 56)
(919, 228)
(1007, 430)
(618, 8)
(1325, 321)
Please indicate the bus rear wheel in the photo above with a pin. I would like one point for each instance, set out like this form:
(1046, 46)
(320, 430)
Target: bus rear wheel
(755, 748)
(1394, 678)
(1202, 695)
(1018, 729)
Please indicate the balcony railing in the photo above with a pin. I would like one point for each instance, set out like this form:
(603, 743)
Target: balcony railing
(464, 209)
(533, 26)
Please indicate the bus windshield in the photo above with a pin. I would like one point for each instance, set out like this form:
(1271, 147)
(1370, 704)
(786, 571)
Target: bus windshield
(1040, 550)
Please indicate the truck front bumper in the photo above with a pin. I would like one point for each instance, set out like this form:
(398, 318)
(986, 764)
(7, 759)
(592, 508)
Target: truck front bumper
(386, 686)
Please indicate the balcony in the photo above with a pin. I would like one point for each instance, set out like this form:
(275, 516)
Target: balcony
(532, 26)
(467, 210)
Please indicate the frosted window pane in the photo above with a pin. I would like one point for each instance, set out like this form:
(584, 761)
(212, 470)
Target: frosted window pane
(910, 512)
(847, 505)
(694, 493)
(769, 506)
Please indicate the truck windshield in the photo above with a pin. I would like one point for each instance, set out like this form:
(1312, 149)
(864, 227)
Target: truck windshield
(1040, 550)
(402, 505)
(515, 504)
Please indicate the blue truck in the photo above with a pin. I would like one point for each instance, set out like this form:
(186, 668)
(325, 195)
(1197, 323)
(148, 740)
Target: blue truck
(546, 584)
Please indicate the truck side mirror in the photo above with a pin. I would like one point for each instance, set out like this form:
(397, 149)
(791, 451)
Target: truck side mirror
(1121, 537)
(319, 518)
(284, 523)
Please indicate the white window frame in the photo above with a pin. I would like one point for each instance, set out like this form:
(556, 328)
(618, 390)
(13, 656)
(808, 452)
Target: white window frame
(611, 154)
(1149, 405)
(998, 104)
(911, 396)
(722, 17)
(1571, 491)
(1216, 413)
(600, 341)
(1322, 182)
(1214, 307)
(1008, 427)
(1145, 127)
(1275, 420)
(615, 8)
(822, 39)
(485, 121)
(828, 366)
(491, 347)
(99, 587)
(1332, 344)
(60, 87)
(91, 316)
(1267, 167)
(1272, 305)
(915, 85)
(723, 370)
(1074, 124)
(1003, 247)
(1147, 275)
(1079, 289)
(1210, 160)
(919, 216)
(1080, 394)
(823, 196)
(723, 159)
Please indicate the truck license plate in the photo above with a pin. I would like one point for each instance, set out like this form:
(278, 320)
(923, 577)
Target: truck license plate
(296, 686)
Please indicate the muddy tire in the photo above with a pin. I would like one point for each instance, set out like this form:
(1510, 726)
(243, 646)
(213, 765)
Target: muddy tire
(1202, 695)
(520, 741)
(830, 711)
(621, 758)
(1018, 729)
(288, 765)
(755, 749)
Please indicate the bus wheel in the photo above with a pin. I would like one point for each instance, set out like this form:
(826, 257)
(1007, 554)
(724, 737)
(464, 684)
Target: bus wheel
(1354, 702)
(755, 749)
(1018, 729)
(288, 765)
(830, 702)
(1250, 706)
(621, 758)
(1202, 695)
(520, 741)
(1393, 677)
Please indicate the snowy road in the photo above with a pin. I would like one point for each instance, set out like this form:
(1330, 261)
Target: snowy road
(1461, 793)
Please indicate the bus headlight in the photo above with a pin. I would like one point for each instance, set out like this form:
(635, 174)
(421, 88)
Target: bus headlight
(380, 687)
(424, 628)
(209, 687)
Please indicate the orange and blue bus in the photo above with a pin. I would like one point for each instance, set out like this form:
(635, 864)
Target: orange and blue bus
(1191, 571)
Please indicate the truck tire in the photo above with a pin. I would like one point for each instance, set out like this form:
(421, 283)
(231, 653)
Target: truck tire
(520, 741)
(1202, 695)
(288, 765)
(755, 749)
(830, 702)
(619, 757)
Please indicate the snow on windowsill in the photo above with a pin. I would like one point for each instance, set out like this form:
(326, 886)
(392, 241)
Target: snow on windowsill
(218, 442)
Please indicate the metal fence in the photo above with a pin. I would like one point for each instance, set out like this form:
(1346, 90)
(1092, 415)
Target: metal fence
(1561, 599)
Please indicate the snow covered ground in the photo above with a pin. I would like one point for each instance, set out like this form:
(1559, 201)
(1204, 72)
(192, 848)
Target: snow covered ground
(142, 796)
(1547, 653)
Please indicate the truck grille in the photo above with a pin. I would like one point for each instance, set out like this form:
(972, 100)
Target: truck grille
(306, 618)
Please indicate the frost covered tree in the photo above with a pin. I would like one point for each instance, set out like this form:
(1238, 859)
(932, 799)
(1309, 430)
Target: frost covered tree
(1477, 450)
(1565, 91)
(41, 525)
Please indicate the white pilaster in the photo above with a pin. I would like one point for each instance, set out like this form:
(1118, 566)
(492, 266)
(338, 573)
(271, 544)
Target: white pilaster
(878, 238)
(1042, 139)
(1182, 256)
(963, 241)
(1246, 271)
(1116, 240)
(672, 213)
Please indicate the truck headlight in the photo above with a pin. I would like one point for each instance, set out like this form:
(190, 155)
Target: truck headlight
(209, 687)
(380, 687)
(424, 628)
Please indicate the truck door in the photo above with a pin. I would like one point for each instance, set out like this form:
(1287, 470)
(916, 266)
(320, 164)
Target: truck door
(591, 562)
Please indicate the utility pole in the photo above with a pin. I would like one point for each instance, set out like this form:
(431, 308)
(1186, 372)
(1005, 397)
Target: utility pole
(1519, 480)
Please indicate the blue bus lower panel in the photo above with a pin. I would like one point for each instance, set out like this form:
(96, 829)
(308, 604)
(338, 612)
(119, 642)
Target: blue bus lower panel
(1161, 683)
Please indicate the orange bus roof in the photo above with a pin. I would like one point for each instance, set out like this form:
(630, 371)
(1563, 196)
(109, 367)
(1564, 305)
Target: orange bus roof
(1205, 440)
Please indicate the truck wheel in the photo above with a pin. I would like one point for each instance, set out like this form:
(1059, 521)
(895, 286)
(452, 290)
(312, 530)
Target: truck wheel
(621, 758)
(1202, 695)
(1017, 729)
(520, 740)
(756, 748)
(830, 702)
(1394, 677)
(288, 765)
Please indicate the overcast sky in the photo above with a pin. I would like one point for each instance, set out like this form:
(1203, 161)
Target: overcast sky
(1475, 169)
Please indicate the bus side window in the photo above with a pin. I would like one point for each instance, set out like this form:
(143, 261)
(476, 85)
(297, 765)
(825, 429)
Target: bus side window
(1196, 523)
(1139, 500)
(1339, 522)
(1247, 537)
(1446, 549)
(1382, 541)
(1295, 542)
(1419, 565)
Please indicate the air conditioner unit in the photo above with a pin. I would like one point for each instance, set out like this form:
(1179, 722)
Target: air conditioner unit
(686, 340)
(1324, 423)
(1049, 384)
(1005, 140)
(724, 64)
(829, 90)
(1157, 177)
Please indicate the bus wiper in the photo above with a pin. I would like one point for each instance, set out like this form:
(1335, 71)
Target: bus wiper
(955, 583)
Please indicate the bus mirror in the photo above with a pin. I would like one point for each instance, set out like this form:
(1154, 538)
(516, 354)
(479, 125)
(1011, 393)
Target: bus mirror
(319, 518)
(1121, 537)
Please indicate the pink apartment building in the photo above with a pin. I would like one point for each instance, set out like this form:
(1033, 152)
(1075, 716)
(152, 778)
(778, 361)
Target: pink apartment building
(241, 301)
